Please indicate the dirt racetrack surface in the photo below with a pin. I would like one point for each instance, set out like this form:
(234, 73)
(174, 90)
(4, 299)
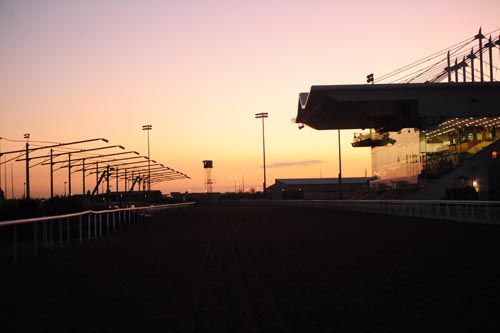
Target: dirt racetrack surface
(244, 267)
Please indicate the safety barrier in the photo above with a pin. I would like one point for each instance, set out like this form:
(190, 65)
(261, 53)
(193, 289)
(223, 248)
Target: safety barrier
(80, 226)
(453, 210)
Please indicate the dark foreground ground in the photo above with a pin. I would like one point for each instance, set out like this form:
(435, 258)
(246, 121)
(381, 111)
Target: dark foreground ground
(244, 267)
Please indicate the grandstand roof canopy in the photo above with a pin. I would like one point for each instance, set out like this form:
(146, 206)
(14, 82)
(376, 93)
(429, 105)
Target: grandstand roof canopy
(396, 106)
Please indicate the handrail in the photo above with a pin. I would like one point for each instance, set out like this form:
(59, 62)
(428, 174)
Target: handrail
(65, 216)
(453, 210)
(98, 223)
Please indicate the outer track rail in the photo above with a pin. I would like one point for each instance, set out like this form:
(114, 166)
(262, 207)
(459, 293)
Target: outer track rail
(87, 225)
(453, 210)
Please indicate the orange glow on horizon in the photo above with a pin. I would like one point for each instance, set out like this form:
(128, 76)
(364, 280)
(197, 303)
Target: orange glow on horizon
(198, 71)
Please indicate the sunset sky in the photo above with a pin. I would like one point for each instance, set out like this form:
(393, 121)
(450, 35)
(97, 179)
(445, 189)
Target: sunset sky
(198, 71)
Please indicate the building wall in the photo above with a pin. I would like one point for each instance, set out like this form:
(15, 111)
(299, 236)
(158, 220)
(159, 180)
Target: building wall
(480, 168)
(313, 192)
(401, 160)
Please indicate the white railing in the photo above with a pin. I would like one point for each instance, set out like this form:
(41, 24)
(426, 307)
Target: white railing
(453, 210)
(83, 225)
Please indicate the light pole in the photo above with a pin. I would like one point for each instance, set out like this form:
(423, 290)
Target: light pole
(263, 115)
(148, 128)
(28, 150)
(65, 188)
(234, 178)
(27, 182)
(340, 168)
(243, 181)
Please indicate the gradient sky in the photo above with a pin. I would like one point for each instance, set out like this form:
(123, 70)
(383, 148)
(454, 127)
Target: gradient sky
(199, 70)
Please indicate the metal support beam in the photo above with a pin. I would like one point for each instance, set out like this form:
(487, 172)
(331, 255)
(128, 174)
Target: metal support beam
(99, 180)
(96, 189)
(69, 174)
(490, 47)
(480, 37)
(51, 173)
(107, 178)
(27, 195)
(83, 176)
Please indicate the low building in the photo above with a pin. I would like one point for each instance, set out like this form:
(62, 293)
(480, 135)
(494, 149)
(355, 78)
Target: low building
(316, 188)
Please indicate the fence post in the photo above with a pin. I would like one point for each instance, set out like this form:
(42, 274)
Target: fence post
(51, 229)
(60, 233)
(68, 224)
(35, 237)
(88, 222)
(14, 254)
(45, 238)
(80, 228)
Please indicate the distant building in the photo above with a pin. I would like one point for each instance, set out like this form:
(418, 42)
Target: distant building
(316, 188)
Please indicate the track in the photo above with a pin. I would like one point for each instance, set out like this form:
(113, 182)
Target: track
(249, 267)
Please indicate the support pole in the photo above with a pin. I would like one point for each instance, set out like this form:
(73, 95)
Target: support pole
(490, 47)
(472, 56)
(456, 70)
(69, 174)
(264, 156)
(107, 178)
(116, 170)
(480, 37)
(27, 171)
(464, 72)
(51, 173)
(149, 168)
(97, 177)
(448, 69)
(340, 168)
(83, 176)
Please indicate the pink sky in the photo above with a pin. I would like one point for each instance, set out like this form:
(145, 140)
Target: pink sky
(199, 70)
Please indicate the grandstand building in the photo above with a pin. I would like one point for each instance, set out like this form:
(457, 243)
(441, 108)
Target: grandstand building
(419, 134)
(441, 137)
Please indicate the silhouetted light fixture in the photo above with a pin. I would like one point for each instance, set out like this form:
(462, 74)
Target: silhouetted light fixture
(263, 115)
(148, 128)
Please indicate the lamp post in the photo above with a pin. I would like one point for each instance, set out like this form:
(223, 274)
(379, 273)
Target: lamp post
(263, 115)
(28, 150)
(340, 168)
(234, 178)
(148, 128)
(243, 181)
(27, 182)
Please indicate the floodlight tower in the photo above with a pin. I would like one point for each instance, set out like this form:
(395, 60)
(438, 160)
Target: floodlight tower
(208, 165)
(148, 128)
(262, 116)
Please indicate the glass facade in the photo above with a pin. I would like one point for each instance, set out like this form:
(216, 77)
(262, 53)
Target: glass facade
(400, 161)
(413, 154)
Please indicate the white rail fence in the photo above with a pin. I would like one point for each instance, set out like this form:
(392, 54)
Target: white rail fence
(453, 210)
(45, 232)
